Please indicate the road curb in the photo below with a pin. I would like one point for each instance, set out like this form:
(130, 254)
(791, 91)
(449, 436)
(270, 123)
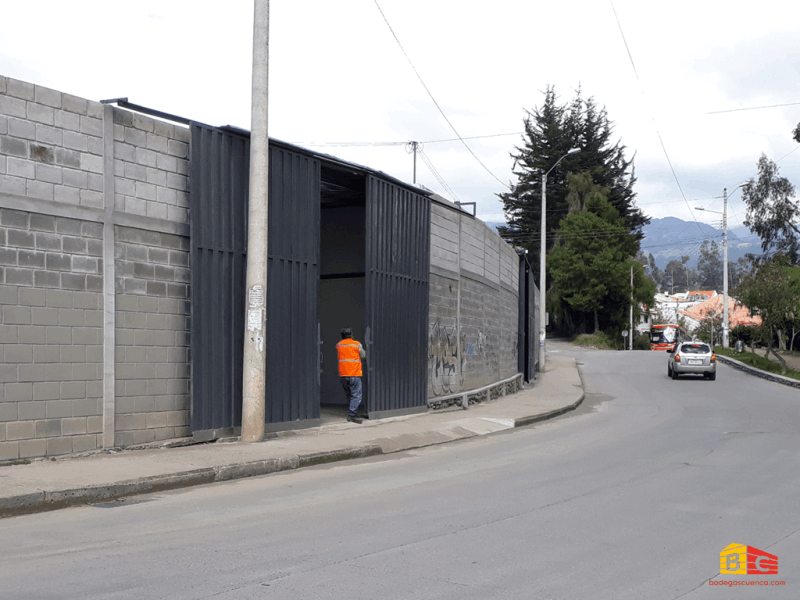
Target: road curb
(43, 501)
(758, 372)
(522, 422)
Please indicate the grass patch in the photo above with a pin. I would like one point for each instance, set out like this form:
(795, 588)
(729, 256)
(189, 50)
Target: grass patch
(12, 463)
(759, 362)
(597, 340)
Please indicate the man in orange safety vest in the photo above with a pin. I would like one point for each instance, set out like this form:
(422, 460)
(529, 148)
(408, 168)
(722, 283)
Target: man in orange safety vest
(350, 354)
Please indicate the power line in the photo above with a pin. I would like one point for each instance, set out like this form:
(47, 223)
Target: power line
(436, 174)
(461, 139)
(658, 133)
(675, 200)
(475, 137)
(717, 112)
(344, 144)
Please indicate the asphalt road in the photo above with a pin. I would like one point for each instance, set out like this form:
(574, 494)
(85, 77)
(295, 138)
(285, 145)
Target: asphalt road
(633, 496)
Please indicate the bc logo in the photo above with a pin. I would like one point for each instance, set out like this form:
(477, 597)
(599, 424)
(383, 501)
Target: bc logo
(738, 559)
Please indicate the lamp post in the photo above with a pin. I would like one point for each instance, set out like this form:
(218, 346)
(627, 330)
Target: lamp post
(542, 310)
(724, 213)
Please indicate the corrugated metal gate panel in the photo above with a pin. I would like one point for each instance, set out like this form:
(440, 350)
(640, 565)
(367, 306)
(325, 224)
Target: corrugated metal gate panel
(528, 356)
(218, 215)
(292, 287)
(398, 270)
(533, 312)
(218, 198)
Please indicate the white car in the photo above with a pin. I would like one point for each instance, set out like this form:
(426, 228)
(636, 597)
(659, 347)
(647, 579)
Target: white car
(692, 358)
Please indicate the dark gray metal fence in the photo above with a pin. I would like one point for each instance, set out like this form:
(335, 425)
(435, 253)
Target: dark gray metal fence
(398, 271)
(218, 199)
(218, 215)
(292, 286)
(528, 355)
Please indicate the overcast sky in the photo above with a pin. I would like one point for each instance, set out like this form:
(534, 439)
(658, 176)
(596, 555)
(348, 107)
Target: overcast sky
(337, 75)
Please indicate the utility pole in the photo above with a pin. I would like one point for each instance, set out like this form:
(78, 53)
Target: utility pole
(725, 321)
(255, 352)
(412, 147)
(631, 331)
(542, 265)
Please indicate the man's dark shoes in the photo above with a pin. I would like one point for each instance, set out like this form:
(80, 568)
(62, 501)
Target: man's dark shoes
(353, 419)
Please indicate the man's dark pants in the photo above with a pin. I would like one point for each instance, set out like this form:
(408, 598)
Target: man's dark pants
(352, 389)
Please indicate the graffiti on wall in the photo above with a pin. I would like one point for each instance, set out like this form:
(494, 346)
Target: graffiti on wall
(445, 350)
(488, 352)
(450, 357)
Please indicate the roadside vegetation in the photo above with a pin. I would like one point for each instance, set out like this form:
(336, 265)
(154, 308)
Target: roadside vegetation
(597, 341)
(759, 362)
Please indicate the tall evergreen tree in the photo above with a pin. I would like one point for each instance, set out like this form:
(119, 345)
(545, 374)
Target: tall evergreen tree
(591, 261)
(550, 132)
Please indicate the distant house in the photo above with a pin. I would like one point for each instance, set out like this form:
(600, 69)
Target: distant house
(646, 317)
(671, 306)
(714, 307)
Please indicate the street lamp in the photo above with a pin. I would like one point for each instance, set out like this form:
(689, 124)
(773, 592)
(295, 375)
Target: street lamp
(724, 213)
(542, 310)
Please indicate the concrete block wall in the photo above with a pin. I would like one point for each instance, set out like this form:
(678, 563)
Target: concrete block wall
(51, 145)
(473, 317)
(51, 335)
(152, 336)
(151, 167)
(94, 278)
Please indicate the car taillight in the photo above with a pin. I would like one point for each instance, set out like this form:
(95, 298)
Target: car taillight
(713, 358)
(677, 358)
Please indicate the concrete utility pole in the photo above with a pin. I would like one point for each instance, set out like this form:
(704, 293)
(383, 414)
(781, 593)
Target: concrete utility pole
(255, 352)
(542, 265)
(725, 321)
(412, 148)
(631, 331)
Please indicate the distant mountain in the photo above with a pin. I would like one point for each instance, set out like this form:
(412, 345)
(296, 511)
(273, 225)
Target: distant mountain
(493, 225)
(670, 238)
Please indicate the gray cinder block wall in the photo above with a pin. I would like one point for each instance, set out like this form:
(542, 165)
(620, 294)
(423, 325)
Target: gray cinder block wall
(93, 275)
(474, 287)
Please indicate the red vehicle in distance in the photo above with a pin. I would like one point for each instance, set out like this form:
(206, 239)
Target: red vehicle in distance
(665, 337)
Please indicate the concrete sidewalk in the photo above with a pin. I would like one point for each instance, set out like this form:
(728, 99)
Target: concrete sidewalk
(51, 484)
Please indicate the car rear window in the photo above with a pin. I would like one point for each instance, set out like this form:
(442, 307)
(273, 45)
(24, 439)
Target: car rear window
(695, 349)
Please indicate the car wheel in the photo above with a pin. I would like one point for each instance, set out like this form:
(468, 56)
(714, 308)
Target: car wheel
(712, 376)
(669, 370)
(674, 374)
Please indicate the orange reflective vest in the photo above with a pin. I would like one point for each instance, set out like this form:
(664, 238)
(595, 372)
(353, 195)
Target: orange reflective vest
(349, 358)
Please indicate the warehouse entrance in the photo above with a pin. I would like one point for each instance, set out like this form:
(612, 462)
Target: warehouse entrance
(342, 288)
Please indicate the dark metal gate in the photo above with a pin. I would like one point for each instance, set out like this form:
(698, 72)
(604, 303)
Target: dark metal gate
(528, 355)
(218, 198)
(292, 287)
(218, 216)
(397, 271)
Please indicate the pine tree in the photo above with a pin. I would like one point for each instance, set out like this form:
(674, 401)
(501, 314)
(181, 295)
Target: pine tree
(550, 132)
(591, 260)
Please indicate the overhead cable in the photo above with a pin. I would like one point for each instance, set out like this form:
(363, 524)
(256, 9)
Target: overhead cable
(461, 139)
(658, 133)
(717, 112)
